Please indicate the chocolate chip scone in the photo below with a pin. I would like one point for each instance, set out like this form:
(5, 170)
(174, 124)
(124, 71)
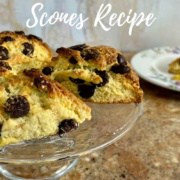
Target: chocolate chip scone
(19, 51)
(32, 106)
(98, 74)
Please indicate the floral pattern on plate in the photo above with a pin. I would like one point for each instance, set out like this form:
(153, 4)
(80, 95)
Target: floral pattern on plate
(152, 66)
(172, 84)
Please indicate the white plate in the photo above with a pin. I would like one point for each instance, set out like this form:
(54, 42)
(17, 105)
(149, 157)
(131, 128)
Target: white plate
(152, 66)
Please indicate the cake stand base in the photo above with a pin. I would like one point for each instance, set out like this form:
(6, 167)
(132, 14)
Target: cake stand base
(45, 171)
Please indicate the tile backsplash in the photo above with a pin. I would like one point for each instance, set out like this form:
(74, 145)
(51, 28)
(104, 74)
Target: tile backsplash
(165, 30)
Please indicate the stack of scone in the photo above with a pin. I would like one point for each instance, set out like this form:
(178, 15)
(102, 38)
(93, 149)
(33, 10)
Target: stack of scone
(41, 95)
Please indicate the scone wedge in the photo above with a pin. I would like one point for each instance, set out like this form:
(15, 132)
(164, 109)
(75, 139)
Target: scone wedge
(19, 51)
(32, 106)
(99, 74)
(174, 67)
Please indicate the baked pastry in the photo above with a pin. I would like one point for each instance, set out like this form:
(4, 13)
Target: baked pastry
(19, 52)
(174, 67)
(32, 106)
(99, 74)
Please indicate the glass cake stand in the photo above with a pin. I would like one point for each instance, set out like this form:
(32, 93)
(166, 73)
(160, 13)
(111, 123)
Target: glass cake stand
(52, 157)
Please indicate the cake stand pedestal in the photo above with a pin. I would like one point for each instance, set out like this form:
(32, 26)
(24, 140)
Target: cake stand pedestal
(41, 171)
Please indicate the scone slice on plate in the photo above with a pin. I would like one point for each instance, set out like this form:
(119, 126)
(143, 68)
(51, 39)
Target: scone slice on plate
(174, 67)
(32, 106)
(19, 51)
(99, 74)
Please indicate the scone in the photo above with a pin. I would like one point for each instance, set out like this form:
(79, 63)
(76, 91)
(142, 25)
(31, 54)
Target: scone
(99, 74)
(19, 52)
(32, 106)
(174, 67)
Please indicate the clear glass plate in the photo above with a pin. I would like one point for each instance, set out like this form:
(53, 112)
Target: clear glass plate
(109, 123)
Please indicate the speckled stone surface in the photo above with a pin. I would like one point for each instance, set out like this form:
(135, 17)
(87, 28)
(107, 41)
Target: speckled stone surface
(150, 150)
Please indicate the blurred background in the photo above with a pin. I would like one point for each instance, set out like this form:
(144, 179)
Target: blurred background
(165, 30)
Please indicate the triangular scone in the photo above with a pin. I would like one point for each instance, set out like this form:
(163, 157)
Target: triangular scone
(32, 106)
(174, 67)
(19, 51)
(98, 74)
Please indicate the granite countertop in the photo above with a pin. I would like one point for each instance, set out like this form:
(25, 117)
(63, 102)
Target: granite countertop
(150, 150)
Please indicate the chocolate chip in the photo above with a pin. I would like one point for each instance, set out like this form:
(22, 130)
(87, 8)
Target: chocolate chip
(4, 66)
(120, 69)
(20, 32)
(17, 106)
(6, 39)
(78, 47)
(1, 125)
(31, 72)
(86, 91)
(67, 125)
(89, 54)
(72, 60)
(4, 54)
(123, 175)
(121, 59)
(58, 50)
(42, 84)
(76, 81)
(48, 70)
(28, 49)
(31, 36)
(104, 76)
(61, 132)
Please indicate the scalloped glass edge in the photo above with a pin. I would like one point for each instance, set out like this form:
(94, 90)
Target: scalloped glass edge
(67, 143)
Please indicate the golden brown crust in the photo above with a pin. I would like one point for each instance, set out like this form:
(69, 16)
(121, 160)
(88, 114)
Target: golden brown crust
(68, 53)
(17, 60)
(106, 56)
